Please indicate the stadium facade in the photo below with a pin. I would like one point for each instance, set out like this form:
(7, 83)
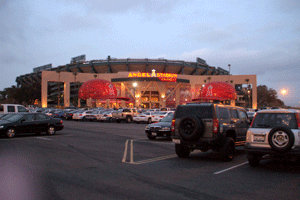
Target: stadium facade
(147, 83)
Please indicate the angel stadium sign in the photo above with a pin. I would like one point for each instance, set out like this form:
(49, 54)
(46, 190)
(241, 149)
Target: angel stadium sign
(162, 76)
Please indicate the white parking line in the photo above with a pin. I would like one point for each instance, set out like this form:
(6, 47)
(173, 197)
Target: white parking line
(230, 168)
(125, 152)
(43, 138)
(154, 159)
(142, 161)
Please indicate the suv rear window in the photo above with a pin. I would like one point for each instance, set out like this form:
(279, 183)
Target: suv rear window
(271, 120)
(202, 111)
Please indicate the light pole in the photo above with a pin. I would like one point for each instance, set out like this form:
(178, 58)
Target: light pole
(134, 86)
(229, 73)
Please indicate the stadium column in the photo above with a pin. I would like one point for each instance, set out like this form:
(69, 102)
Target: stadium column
(44, 92)
(123, 89)
(177, 96)
(67, 94)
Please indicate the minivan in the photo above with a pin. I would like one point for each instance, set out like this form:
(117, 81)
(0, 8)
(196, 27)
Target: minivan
(12, 108)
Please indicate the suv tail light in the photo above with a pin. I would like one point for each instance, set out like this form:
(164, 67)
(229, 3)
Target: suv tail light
(173, 125)
(215, 125)
(298, 120)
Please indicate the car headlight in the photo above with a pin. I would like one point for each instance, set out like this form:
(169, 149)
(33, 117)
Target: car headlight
(1, 126)
(147, 128)
(165, 128)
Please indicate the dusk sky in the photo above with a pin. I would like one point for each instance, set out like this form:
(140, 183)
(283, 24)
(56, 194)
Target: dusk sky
(259, 37)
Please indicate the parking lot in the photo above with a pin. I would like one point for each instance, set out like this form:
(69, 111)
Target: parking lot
(93, 160)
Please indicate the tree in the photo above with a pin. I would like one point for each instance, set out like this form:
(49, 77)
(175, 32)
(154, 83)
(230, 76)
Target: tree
(267, 97)
(23, 95)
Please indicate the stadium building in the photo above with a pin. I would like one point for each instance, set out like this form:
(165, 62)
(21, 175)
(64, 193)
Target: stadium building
(144, 83)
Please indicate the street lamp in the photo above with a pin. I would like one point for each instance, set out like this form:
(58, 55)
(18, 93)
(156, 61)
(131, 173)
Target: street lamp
(283, 92)
(134, 86)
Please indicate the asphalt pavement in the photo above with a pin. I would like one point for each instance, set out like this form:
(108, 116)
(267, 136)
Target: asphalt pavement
(93, 160)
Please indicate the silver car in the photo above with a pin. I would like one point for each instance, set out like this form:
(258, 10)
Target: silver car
(273, 132)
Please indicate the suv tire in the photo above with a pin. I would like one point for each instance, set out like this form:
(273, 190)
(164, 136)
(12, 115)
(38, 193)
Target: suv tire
(182, 151)
(227, 151)
(281, 139)
(191, 128)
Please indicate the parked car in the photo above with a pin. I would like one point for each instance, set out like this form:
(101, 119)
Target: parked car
(68, 114)
(21, 123)
(161, 128)
(80, 115)
(56, 113)
(208, 126)
(274, 132)
(106, 116)
(93, 116)
(157, 116)
(143, 117)
(125, 114)
(251, 115)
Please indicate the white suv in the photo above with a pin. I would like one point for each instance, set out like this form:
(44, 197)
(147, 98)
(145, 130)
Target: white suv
(274, 132)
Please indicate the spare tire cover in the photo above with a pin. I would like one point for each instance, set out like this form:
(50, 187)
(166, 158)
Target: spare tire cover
(190, 128)
(281, 139)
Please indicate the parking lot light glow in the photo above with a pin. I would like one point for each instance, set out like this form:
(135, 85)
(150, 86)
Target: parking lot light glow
(283, 91)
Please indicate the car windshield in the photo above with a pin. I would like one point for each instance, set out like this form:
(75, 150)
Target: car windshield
(12, 117)
(271, 120)
(167, 118)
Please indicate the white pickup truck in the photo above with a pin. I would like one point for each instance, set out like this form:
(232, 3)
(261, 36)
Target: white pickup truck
(125, 114)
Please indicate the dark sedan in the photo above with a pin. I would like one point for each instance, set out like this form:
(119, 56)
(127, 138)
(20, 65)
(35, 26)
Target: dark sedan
(161, 128)
(13, 124)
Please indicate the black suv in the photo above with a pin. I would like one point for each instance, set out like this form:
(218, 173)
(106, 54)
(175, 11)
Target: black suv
(208, 126)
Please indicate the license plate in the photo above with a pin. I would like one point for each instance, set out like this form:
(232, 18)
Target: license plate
(259, 138)
(154, 134)
(176, 141)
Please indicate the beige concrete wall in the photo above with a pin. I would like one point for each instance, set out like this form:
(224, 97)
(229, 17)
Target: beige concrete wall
(69, 77)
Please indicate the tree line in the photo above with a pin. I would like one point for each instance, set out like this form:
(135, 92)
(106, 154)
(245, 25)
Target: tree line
(28, 94)
(25, 95)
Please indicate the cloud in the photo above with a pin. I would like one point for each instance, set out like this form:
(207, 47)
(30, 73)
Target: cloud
(117, 6)
(288, 6)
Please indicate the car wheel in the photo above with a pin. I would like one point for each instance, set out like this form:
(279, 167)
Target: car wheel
(281, 139)
(190, 128)
(128, 119)
(83, 119)
(51, 130)
(10, 132)
(37, 133)
(118, 120)
(253, 159)
(227, 152)
(110, 120)
(182, 151)
(149, 121)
